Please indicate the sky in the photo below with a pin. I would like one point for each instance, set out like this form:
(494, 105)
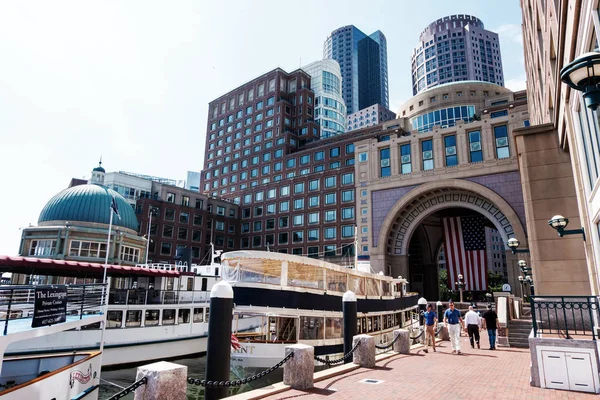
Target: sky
(131, 81)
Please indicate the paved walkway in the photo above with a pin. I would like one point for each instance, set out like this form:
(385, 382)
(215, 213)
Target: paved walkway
(475, 374)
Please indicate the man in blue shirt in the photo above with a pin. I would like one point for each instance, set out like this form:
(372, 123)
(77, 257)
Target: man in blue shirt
(454, 322)
(430, 324)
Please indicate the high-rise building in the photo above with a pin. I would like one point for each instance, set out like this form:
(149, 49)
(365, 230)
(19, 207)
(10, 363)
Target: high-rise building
(363, 63)
(456, 48)
(330, 109)
(370, 116)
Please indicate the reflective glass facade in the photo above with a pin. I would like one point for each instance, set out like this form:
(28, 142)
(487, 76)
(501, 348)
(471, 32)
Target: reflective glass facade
(445, 117)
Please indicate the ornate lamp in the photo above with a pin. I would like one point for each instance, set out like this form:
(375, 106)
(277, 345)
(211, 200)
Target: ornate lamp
(513, 243)
(583, 74)
(559, 223)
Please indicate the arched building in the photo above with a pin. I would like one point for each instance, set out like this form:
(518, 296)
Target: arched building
(73, 225)
(449, 155)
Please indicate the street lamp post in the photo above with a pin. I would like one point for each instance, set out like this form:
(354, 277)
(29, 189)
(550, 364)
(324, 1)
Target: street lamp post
(489, 297)
(583, 74)
(522, 282)
(513, 244)
(559, 223)
(461, 285)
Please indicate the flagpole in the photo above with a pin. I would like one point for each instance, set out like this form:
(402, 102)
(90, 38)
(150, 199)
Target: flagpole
(104, 285)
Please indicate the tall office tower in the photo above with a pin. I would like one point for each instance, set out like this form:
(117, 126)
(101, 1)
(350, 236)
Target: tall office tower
(262, 120)
(456, 48)
(363, 63)
(330, 108)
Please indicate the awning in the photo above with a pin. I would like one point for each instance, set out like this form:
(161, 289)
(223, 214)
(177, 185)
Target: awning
(80, 269)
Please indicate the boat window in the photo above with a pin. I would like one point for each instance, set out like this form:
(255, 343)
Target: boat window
(207, 314)
(311, 328)
(184, 315)
(304, 275)
(333, 328)
(114, 319)
(168, 317)
(286, 329)
(336, 281)
(358, 326)
(134, 318)
(190, 284)
(259, 270)
(369, 324)
(386, 288)
(363, 322)
(356, 284)
(373, 288)
(151, 317)
(198, 314)
(170, 283)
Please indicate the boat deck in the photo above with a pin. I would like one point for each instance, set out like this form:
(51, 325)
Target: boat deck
(24, 324)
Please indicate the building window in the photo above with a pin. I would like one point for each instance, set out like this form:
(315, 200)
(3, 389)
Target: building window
(329, 233)
(298, 237)
(347, 195)
(42, 248)
(313, 201)
(165, 249)
(330, 198)
(170, 197)
(405, 161)
(450, 150)
(363, 157)
(348, 179)
(329, 250)
(497, 114)
(184, 217)
(347, 231)
(427, 154)
(501, 136)
(330, 181)
(334, 152)
(330, 216)
(384, 160)
(299, 204)
(283, 238)
(182, 233)
(475, 146)
(170, 214)
(313, 185)
(313, 218)
(312, 235)
(319, 156)
(348, 213)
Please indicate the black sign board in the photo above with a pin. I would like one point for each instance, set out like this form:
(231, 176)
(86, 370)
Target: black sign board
(50, 306)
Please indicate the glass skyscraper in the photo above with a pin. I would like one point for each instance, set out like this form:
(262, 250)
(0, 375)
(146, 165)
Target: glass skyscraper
(456, 48)
(363, 63)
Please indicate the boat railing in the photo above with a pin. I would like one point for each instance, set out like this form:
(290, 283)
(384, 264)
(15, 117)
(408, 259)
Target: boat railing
(17, 302)
(154, 297)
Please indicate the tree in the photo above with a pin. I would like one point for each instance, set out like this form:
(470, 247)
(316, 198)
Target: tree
(445, 292)
(495, 281)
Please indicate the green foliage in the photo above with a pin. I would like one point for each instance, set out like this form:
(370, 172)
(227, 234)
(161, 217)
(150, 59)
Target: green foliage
(495, 281)
(445, 292)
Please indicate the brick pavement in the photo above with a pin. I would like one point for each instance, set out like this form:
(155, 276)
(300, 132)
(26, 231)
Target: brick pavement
(476, 374)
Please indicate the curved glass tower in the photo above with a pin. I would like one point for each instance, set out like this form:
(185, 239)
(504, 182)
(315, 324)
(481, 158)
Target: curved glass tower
(456, 48)
(330, 108)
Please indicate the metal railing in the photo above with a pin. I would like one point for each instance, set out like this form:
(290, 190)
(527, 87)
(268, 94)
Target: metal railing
(151, 296)
(17, 301)
(564, 315)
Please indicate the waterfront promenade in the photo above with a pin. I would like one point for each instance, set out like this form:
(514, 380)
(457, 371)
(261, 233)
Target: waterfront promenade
(476, 374)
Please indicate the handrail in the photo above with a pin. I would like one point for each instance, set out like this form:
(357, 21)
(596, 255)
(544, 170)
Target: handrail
(568, 315)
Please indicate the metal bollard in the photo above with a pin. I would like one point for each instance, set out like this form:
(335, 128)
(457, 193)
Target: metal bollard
(349, 308)
(218, 353)
(440, 311)
(422, 302)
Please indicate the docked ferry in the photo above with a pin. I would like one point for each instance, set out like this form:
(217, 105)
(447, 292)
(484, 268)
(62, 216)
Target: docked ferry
(295, 299)
(155, 311)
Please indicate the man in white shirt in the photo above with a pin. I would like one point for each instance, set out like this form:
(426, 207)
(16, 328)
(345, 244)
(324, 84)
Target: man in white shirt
(473, 323)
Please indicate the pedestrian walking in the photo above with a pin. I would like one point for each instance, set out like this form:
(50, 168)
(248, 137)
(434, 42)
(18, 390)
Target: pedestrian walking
(490, 322)
(430, 325)
(454, 322)
(473, 326)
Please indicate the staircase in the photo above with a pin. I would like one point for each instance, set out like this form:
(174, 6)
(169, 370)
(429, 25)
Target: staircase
(519, 330)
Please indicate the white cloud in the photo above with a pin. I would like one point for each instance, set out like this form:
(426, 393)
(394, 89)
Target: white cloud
(518, 83)
(512, 32)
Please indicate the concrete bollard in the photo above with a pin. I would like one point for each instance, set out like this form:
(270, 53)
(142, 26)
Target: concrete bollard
(166, 381)
(364, 355)
(402, 345)
(444, 334)
(422, 302)
(298, 371)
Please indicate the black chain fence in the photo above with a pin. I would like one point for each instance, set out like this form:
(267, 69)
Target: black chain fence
(339, 360)
(129, 389)
(387, 346)
(239, 382)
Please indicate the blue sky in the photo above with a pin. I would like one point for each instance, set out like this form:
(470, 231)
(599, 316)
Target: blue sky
(131, 81)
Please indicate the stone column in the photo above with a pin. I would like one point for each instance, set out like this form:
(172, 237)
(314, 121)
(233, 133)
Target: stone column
(364, 355)
(166, 381)
(299, 370)
(402, 345)
(444, 334)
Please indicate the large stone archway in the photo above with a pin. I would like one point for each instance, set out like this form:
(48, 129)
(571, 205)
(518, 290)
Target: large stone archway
(393, 239)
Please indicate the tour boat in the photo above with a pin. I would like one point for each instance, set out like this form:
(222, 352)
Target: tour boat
(154, 312)
(295, 299)
(64, 375)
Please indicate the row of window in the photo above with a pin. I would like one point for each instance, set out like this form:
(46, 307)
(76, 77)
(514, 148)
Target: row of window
(347, 196)
(133, 318)
(346, 214)
(450, 152)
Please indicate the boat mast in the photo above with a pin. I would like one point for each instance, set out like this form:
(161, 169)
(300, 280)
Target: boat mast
(355, 246)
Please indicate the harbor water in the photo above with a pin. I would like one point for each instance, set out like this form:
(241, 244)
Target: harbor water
(196, 367)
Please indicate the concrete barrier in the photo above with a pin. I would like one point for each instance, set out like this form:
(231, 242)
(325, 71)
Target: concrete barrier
(402, 345)
(166, 381)
(364, 355)
(298, 372)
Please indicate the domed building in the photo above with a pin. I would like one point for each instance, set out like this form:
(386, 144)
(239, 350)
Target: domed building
(74, 225)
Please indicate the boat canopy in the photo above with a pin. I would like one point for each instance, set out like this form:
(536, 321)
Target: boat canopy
(47, 266)
(291, 270)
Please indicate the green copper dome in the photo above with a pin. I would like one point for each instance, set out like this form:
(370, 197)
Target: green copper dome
(89, 203)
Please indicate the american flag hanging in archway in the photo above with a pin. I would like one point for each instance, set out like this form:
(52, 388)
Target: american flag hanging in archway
(464, 243)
